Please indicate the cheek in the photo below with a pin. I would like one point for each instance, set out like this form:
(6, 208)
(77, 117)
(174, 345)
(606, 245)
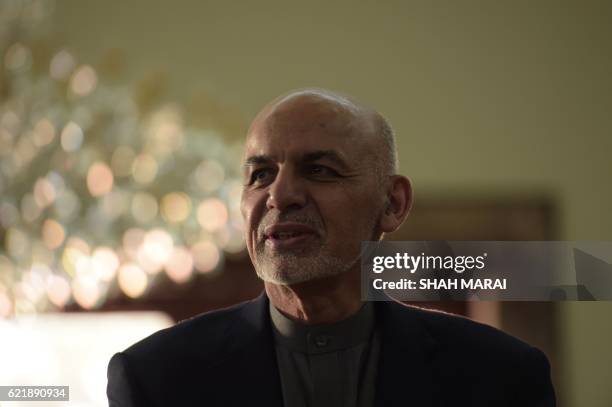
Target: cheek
(349, 216)
(245, 210)
(251, 213)
(253, 206)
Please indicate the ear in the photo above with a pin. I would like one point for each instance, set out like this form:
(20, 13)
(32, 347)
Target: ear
(399, 203)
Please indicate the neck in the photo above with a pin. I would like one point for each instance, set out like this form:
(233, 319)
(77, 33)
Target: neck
(321, 301)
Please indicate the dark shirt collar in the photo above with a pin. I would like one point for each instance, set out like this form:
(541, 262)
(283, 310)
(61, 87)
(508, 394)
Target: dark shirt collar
(315, 339)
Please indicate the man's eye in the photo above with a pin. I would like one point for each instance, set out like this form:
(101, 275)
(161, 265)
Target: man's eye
(320, 170)
(259, 175)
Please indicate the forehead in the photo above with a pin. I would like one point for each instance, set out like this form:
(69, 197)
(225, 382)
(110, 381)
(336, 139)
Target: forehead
(303, 126)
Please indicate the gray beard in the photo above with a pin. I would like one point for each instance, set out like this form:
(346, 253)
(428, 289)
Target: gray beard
(287, 269)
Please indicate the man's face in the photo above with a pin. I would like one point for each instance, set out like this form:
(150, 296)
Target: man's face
(311, 192)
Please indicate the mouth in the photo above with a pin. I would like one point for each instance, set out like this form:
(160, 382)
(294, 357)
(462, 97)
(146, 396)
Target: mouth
(284, 235)
(288, 236)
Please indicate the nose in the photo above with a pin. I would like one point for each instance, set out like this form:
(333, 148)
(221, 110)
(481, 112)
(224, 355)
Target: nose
(287, 191)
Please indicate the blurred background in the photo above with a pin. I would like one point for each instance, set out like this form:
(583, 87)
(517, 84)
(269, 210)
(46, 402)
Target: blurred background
(121, 128)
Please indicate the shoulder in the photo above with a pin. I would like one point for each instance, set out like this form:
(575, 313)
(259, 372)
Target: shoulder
(182, 357)
(486, 357)
(467, 341)
(204, 336)
(469, 358)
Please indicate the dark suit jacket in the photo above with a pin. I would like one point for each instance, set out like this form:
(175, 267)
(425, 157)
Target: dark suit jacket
(227, 358)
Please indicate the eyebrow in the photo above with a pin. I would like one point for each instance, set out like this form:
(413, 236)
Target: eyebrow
(325, 154)
(306, 158)
(257, 160)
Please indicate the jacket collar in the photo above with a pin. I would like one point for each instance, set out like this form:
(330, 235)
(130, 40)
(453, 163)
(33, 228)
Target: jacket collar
(404, 368)
(253, 357)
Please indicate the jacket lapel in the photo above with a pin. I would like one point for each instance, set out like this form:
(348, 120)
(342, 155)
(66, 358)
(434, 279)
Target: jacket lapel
(254, 363)
(405, 374)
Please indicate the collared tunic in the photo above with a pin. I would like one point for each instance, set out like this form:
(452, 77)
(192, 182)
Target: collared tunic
(327, 365)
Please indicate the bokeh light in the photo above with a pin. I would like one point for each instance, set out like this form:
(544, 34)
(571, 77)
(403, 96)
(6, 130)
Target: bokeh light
(132, 239)
(175, 207)
(104, 262)
(144, 168)
(212, 214)
(6, 305)
(44, 133)
(94, 189)
(32, 286)
(17, 57)
(164, 131)
(155, 250)
(75, 256)
(84, 80)
(179, 266)
(58, 290)
(86, 290)
(53, 234)
(71, 137)
(115, 203)
(206, 256)
(132, 280)
(44, 192)
(99, 179)
(79, 244)
(61, 65)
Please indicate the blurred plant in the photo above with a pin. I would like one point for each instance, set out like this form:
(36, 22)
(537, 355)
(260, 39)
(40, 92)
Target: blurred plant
(97, 191)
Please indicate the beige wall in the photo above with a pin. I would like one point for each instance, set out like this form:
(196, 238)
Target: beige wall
(489, 95)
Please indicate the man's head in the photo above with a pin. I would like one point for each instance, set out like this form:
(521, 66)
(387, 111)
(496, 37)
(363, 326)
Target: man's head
(320, 177)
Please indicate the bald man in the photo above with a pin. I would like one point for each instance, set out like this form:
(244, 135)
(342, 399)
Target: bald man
(320, 177)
